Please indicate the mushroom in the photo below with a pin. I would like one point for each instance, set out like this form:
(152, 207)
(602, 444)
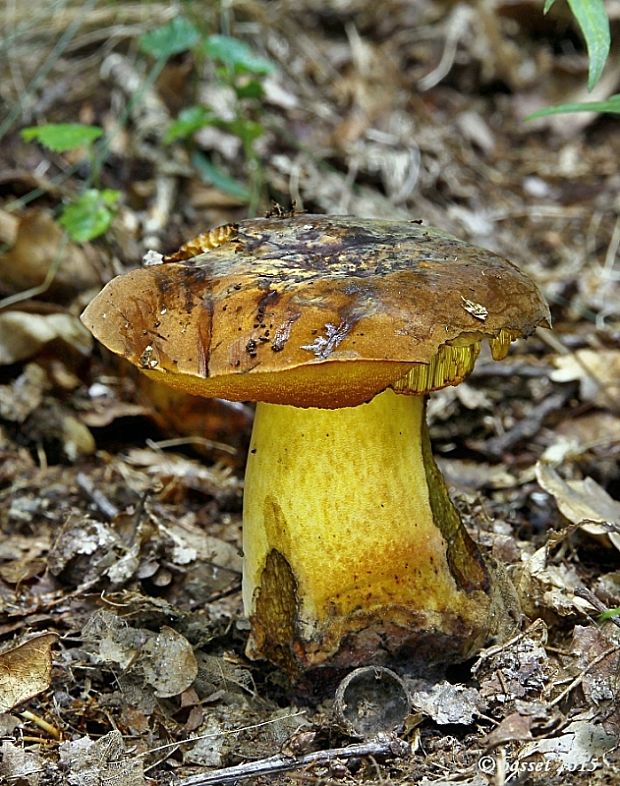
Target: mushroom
(339, 327)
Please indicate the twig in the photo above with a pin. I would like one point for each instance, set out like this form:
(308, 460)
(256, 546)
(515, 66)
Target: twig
(382, 745)
(106, 507)
(528, 426)
(490, 652)
(456, 27)
(587, 594)
(42, 724)
(579, 678)
(209, 444)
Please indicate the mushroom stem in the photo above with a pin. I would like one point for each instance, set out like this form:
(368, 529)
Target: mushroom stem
(353, 550)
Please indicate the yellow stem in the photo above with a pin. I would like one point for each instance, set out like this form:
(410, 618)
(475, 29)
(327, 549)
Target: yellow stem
(341, 536)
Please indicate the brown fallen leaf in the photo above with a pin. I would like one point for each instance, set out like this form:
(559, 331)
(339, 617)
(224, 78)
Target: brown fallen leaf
(23, 334)
(18, 570)
(37, 243)
(514, 727)
(582, 502)
(25, 671)
(598, 373)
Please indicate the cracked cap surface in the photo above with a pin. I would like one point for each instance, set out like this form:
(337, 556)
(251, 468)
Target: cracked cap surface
(312, 310)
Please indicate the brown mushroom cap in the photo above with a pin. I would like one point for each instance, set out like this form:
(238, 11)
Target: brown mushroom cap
(317, 311)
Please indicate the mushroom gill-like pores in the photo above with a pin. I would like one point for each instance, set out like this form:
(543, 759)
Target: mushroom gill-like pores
(339, 328)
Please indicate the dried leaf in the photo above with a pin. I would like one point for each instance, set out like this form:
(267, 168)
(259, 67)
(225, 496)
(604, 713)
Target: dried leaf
(477, 310)
(600, 673)
(19, 399)
(514, 727)
(581, 502)
(39, 244)
(598, 372)
(168, 663)
(20, 766)
(25, 671)
(445, 703)
(18, 570)
(581, 748)
(104, 761)
(22, 334)
(215, 480)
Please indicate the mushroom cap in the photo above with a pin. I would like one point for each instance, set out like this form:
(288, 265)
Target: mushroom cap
(314, 310)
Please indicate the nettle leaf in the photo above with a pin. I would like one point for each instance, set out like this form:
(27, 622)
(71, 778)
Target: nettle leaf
(609, 614)
(61, 137)
(188, 122)
(212, 174)
(177, 36)
(237, 55)
(611, 106)
(90, 215)
(593, 21)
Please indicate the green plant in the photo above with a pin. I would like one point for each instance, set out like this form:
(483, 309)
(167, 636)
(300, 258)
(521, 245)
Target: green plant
(591, 17)
(609, 614)
(90, 214)
(239, 68)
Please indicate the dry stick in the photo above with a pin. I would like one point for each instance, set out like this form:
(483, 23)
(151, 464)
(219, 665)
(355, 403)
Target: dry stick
(593, 600)
(42, 724)
(490, 652)
(382, 745)
(528, 427)
(173, 746)
(105, 506)
(579, 678)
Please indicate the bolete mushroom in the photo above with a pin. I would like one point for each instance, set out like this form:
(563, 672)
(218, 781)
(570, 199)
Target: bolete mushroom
(339, 328)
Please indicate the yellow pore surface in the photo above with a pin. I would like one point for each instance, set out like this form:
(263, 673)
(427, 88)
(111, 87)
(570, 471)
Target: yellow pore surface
(343, 496)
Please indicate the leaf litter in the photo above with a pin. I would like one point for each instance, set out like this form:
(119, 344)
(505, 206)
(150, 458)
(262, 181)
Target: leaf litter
(120, 505)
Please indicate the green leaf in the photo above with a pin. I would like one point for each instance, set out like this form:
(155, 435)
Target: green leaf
(177, 36)
(251, 89)
(212, 174)
(609, 614)
(247, 130)
(90, 215)
(548, 4)
(236, 56)
(189, 120)
(61, 137)
(592, 18)
(611, 105)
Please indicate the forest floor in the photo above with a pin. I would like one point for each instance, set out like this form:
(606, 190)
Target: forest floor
(120, 510)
